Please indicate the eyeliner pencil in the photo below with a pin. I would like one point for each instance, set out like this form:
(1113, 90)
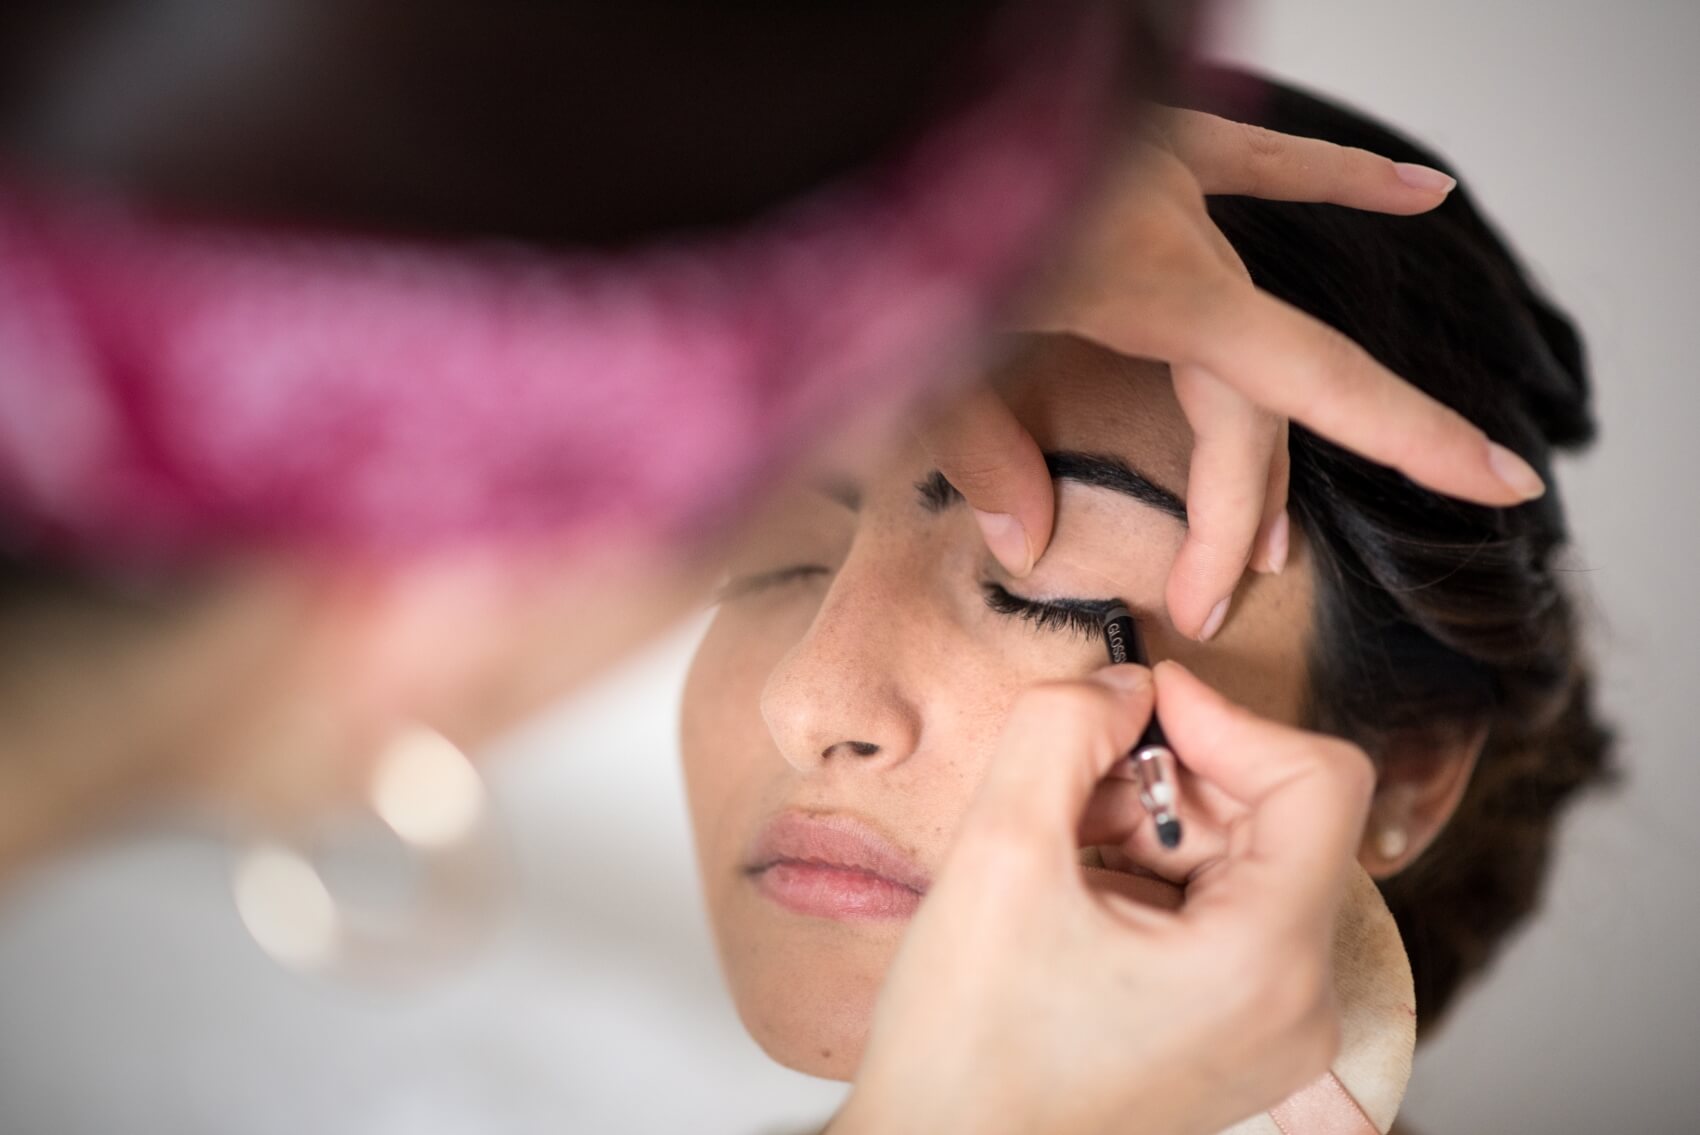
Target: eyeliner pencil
(1152, 758)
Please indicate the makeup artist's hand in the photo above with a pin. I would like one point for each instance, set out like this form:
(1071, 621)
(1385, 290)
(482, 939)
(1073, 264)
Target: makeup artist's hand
(1023, 1001)
(1150, 275)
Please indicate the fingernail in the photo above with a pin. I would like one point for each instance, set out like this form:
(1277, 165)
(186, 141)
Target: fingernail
(1125, 678)
(1424, 177)
(1276, 548)
(1214, 622)
(1517, 474)
(1007, 539)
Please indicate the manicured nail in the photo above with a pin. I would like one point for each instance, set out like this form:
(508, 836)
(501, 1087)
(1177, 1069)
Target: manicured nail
(1516, 474)
(1214, 622)
(1275, 547)
(1008, 541)
(1125, 678)
(1423, 177)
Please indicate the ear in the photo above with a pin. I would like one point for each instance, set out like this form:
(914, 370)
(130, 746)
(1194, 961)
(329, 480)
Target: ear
(1420, 780)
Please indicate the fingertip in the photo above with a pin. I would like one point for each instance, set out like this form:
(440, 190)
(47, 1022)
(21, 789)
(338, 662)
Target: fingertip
(1191, 616)
(1213, 622)
(1280, 542)
(1515, 473)
(1194, 597)
(1131, 684)
(1168, 666)
(1038, 527)
(1173, 680)
(1007, 539)
(1170, 672)
(1124, 677)
(1426, 178)
(1273, 546)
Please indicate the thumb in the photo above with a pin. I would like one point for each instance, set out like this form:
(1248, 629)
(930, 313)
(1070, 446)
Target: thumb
(1305, 798)
(989, 457)
(1059, 742)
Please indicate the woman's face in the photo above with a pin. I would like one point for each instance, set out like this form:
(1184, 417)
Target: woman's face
(842, 707)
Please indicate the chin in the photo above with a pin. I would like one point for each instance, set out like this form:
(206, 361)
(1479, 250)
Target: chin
(808, 1004)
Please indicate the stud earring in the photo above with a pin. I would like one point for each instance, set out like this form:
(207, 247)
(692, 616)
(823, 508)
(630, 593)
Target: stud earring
(1391, 841)
(340, 900)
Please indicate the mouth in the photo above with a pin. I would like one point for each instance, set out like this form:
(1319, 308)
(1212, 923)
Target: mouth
(834, 866)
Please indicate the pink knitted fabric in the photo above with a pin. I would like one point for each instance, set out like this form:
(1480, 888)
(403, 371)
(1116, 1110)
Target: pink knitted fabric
(171, 387)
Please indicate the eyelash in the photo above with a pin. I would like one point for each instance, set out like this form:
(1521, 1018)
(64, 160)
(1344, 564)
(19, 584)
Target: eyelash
(1077, 616)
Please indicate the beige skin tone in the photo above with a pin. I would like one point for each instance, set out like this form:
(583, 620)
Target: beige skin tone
(891, 643)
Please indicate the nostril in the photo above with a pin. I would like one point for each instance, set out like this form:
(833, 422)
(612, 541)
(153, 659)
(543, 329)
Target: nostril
(860, 748)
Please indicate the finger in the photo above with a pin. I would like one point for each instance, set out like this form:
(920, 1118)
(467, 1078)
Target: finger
(1227, 488)
(989, 457)
(1059, 741)
(1274, 534)
(1225, 250)
(1116, 821)
(1297, 367)
(1249, 161)
(1306, 798)
(1113, 813)
(1291, 364)
(1194, 213)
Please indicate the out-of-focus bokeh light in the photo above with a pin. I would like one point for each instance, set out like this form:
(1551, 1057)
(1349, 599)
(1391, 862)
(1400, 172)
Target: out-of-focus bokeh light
(426, 789)
(328, 899)
(286, 907)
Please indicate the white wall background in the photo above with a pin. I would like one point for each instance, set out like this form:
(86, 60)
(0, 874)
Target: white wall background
(1574, 122)
(131, 1002)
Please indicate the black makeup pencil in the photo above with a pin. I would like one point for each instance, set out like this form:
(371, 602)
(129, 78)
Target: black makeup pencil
(1152, 758)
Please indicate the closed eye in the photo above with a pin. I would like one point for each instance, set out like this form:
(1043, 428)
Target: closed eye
(1079, 616)
(740, 586)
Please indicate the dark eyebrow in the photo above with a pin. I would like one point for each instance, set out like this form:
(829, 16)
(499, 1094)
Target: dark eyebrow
(1098, 470)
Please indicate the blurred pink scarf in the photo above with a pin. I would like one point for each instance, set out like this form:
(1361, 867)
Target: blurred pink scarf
(171, 387)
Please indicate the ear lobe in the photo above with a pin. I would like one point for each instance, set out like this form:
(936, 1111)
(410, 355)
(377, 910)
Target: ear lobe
(1421, 780)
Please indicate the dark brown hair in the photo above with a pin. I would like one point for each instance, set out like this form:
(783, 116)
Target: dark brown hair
(1438, 620)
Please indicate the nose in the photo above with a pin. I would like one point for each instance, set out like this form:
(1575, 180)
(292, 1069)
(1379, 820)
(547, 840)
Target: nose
(839, 694)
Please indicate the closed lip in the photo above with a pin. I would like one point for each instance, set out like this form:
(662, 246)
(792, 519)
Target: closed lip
(834, 840)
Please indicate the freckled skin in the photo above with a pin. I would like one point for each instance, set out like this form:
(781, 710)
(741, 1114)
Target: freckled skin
(894, 646)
